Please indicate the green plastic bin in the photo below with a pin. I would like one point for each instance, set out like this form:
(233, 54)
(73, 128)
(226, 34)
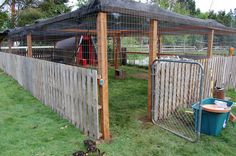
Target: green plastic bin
(212, 123)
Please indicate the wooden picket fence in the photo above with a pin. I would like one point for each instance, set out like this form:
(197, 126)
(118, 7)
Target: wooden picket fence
(177, 85)
(220, 71)
(70, 91)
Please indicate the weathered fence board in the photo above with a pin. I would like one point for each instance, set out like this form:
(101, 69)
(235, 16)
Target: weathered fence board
(70, 91)
(222, 72)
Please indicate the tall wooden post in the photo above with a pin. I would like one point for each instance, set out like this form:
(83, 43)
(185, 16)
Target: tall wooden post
(210, 43)
(13, 12)
(152, 56)
(29, 45)
(116, 47)
(103, 72)
(9, 45)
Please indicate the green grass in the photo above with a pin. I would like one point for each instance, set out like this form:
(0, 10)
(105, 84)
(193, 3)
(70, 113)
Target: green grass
(27, 127)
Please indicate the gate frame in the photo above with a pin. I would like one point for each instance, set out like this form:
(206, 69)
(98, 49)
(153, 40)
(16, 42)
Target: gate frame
(202, 76)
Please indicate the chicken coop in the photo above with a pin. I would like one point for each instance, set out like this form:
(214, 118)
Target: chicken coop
(64, 60)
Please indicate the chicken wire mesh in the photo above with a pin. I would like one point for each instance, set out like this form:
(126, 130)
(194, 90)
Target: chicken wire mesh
(72, 41)
(128, 40)
(222, 44)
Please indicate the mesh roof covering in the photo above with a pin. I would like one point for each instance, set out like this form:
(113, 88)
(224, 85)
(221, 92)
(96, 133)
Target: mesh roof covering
(180, 23)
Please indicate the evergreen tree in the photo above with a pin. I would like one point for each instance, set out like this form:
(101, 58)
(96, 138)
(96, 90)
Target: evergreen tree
(27, 11)
(82, 2)
(4, 21)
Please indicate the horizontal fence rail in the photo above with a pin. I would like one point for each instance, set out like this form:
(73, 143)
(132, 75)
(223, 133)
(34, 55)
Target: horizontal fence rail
(70, 91)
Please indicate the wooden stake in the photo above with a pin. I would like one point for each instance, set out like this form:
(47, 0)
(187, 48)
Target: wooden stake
(116, 47)
(159, 46)
(29, 44)
(103, 72)
(9, 45)
(210, 43)
(152, 56)
(114, 50)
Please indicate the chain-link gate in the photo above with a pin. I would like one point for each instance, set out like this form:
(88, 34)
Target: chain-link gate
(177, 85)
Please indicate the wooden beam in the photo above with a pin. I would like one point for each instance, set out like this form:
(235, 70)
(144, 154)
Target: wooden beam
(152, 56)
(9, 45)
(116, 47)
(29, 45)
(111, 32)
(145, 53)
(210, 43)
(103, 72)
(77, 41)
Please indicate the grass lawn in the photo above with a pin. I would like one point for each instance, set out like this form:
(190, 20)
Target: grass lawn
(27, 127)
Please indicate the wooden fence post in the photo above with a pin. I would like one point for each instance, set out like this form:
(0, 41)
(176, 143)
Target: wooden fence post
(159, 46)
(152, 56)
(210, 43)
(9, 45)
(116, 45)
(103, 72)
(29, 45)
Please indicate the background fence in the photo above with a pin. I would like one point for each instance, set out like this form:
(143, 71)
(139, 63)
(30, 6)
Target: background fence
(220, 72)
(70, 91)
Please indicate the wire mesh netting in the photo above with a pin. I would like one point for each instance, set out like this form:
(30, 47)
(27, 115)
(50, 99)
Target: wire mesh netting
(72, 41)
(129, 40)
(177, 85)
(222, 44)
(64, 37)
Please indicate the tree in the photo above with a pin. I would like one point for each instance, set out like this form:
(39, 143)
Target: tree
(53, 7)
(24, 4)
(189, 5)
(28, 16)
(185, 7)
(221, 17)
(4, 20)
(166, 4)
(27, 11)
(233, 16)
(81, 2)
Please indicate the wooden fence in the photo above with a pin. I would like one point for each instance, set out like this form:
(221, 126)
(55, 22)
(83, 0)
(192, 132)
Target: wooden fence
(70, 91)
(177, 85)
